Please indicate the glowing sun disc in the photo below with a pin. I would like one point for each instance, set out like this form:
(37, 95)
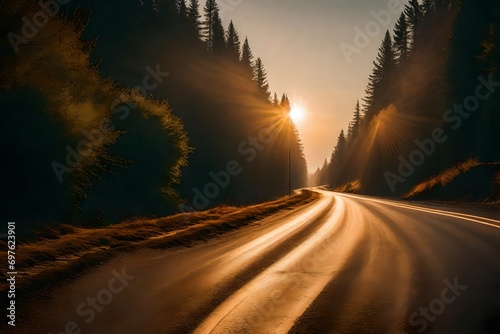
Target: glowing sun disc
(297, 114)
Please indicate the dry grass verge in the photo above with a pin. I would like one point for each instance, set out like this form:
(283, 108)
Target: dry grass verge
(65, 252)
(471, 180)
(353, 187)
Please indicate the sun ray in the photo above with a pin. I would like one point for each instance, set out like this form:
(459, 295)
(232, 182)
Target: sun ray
(297, 113)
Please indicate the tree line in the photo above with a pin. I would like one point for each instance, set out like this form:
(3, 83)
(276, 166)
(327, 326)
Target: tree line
(174, 95)
(430, 65)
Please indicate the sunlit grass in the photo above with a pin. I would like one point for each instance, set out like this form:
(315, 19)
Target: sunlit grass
(350, 187)
(444, 178)
(64, 251)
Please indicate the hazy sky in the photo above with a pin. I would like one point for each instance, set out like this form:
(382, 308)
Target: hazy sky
(299, 43)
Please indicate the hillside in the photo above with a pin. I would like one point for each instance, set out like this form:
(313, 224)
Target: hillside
(431, 101)
(469, 181)
(135, 112)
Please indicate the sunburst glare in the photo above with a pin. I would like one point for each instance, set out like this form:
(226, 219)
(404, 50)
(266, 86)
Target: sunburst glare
(297, 113)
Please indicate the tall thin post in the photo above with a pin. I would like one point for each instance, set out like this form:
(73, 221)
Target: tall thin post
(289, 173)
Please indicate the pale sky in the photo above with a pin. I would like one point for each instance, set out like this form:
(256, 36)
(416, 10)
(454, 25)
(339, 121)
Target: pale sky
(299, 43)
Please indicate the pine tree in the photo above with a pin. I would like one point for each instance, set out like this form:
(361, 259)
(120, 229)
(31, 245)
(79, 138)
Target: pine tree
(441, 5)
(428, 7)
(260, 77)
(323, 173)
(211, 9)
(355, 124)
(181, 8)
(247, 58)
(298, 160)
(276, 102)
(341, 147)
(285, 103)
(401, 39)
(369, 99)
(166, 8)
(337, 160)
(349, 132)
(413, 12)
(233, 42)
(378, 91)
(219, 39)
(193, 14)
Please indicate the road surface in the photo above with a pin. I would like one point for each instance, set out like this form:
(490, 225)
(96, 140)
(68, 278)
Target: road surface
(342, 264)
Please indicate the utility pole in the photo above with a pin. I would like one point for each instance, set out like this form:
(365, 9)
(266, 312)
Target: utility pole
(289, 172)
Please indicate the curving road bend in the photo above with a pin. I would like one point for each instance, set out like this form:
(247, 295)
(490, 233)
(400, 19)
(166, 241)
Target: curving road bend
(343, 264)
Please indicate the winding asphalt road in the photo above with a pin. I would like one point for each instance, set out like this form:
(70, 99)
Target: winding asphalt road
(342, 264)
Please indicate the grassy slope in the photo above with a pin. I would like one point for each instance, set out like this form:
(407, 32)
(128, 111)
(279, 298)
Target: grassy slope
(353, 187)
(65, 252)
(470, 180)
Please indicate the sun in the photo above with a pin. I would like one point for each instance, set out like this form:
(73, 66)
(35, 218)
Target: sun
(297, 114)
